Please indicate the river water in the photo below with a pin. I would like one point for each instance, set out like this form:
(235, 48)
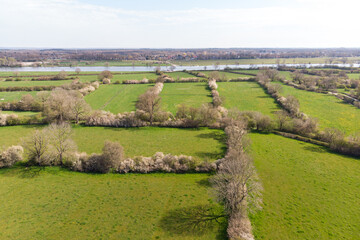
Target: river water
(163, 68)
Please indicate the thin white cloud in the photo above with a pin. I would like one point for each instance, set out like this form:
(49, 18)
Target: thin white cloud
(70, 23)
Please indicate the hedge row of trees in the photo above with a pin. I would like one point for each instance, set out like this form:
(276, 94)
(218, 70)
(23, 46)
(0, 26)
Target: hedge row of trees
(236, 184)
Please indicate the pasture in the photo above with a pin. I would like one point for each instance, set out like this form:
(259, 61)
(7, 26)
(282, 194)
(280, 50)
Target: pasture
(226, 75)
(51, 202)
(14, 96)
(33, 83)
(329, 110)
(116, 98)
(247, 96)
(309, 193)
(190, 94)
(201, 144)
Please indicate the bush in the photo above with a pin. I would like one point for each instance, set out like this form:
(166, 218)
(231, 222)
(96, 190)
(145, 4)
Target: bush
(10, 156)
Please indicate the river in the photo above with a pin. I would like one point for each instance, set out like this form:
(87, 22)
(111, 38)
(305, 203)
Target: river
(163, 68)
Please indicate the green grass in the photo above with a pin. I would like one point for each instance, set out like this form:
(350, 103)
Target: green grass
(353, 75)
(19, 113)
(247, 96)
(176, 75)
(201, 144)
(33, 83)
(329, 110)
(309, 193)
(140, 76)
(58, 204)
(190, 94)
(116, 98)
(14, 96)
(229, 76)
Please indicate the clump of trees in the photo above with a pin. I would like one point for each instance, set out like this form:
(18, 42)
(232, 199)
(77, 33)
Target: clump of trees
(63, 105)
(106, 74)
(50, 146)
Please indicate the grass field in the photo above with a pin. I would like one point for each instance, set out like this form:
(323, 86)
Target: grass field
(247, 96)
(354, 75)
(309, 193)
(54, 203)
(33, 83)
(11, 96)
(201, 144)
(191, 94)
(330, 111)
(228, 75)
(19, 113)
(116, 98)
(178, 75)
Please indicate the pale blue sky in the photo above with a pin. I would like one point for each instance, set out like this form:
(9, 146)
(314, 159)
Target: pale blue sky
(178, 24)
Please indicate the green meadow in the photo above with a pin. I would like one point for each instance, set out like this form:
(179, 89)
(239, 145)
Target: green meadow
(52, 203)
(309, 193)
(200, 143)
(247, 96)
(116, 98)
(190, 94)
(329, 110)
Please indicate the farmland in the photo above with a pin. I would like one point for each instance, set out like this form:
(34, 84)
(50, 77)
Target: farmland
(33, 83)
(11, 96)
(191, 94)
(226, 75)
(309, 193)
(247, 96)
(85, 206)
(116, 98)
(202, 144)
(330, 111)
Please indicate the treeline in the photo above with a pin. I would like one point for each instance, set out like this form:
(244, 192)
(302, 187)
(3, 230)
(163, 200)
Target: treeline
(163, 55)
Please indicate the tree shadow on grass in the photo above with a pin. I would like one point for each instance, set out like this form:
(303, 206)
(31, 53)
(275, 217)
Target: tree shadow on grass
(318, 149)
(24, 171)
(195, 221)
(204, 182)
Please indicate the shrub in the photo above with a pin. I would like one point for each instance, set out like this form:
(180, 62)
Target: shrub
(10, 156)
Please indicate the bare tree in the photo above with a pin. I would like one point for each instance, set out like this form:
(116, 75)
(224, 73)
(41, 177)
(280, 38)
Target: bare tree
(77, 70)
(79, 108)
(36, 147)
(282, 118)
(42, 97)
(105, 74)
(60, 139)
(149, 102)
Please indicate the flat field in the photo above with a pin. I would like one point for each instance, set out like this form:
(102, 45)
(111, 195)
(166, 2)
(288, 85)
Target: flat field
(228, 75)
(309, 193)
(190, 94)
(247, 96)
(201, 144)
(330, 111)
(52, 203)
(12, 96)
(33, 83)
(116, 98)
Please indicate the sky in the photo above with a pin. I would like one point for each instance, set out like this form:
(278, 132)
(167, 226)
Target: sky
(179, 24)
